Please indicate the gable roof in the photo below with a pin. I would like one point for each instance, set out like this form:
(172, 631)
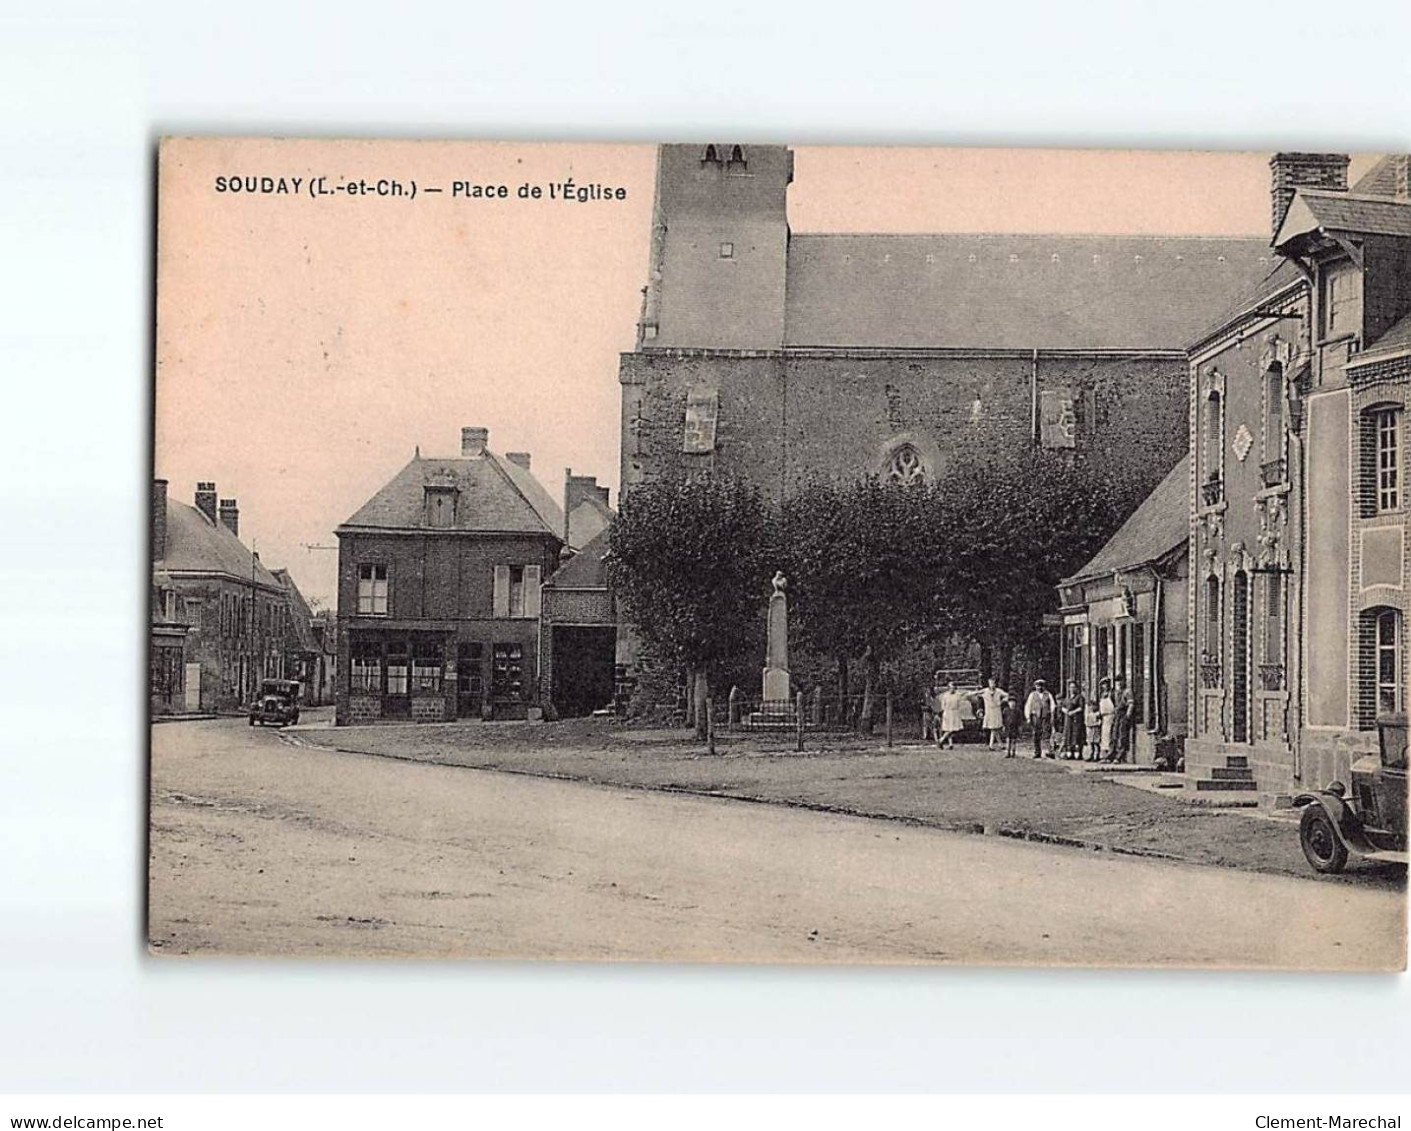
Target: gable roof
(1013, 291)
(585, 570)
(1284, 275)
(1317, 209)
(1388, 177)
(1154, 529)
(195, 544)
(495, 496)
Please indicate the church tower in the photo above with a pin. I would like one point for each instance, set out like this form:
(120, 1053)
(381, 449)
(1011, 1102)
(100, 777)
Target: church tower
(720, 239)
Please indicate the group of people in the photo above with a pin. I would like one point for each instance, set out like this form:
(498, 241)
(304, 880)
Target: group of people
(1075, 727)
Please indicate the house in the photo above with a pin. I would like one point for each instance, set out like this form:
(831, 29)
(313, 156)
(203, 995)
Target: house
(1124, 614)
(578, 629)
(439, 578)
(306, 654)
(1298, 399)
(219, 617)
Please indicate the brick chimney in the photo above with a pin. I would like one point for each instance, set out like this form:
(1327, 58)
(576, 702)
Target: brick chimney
(474, 441)
(230, 516)
(159, 519)
(206, 500)
(577, 488)
(519, 459)
(1292, 171)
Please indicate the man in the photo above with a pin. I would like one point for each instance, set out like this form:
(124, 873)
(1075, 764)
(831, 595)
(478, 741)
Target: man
(1122, 721)
(1038, 710)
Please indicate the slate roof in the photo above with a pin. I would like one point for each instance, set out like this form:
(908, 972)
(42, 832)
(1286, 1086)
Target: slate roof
(1154, 529)
(195, 544)
(496, 496)
(1382, 178)
(585, 570)
(1345, 212)
(1284, 275)
(1397, 338)
(1013, 291)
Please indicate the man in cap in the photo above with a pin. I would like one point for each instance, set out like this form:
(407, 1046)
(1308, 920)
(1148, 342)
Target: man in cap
(1038, 710)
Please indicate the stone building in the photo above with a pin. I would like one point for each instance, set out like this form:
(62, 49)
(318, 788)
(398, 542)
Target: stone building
(219, 618)
(439, 578)
(1124, 614)
(1297, 495)
(309, 656)
(783, 357)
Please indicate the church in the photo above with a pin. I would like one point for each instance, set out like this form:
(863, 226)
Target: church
(784, 357)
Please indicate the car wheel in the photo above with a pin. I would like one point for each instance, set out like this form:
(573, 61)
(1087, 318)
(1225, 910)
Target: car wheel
(1321, 843)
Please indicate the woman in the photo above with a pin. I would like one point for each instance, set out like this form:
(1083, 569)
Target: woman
(1073, 727)
(993, 699)
(951, 723)
(1107, 709)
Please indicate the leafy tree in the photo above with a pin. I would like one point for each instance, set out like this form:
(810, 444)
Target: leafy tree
(690, 562)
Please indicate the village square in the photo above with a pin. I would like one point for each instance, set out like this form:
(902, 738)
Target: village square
(1000, 598)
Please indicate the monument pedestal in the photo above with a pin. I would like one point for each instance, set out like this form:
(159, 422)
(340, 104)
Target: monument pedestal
(777, 698)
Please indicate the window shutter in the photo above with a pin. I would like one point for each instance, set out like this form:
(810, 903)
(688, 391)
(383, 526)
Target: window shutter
(531, 591)
(502, 591)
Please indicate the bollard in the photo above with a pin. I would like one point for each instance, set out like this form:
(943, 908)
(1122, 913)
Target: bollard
(710, 725)
(889, 718)
(798, 721)
(734, 704)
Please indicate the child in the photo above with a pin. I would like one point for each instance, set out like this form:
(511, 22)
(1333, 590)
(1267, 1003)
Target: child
(1092, 719)
(1012, 716)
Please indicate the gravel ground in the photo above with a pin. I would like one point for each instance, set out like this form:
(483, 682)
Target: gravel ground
(969, 789)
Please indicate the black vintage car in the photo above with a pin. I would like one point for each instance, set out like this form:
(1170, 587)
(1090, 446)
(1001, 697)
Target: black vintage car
(278, 703)
(1370, 821)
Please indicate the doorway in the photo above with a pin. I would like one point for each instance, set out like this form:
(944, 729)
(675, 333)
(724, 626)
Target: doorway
(584, 665)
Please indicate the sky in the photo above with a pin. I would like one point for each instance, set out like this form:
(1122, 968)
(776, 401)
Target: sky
(307, 346)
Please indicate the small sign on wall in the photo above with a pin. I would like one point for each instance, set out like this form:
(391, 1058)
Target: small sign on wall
(1058, 419)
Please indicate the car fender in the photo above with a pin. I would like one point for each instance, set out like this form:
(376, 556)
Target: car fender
(1344, 821)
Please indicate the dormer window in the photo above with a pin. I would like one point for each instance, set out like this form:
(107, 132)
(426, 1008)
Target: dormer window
(711, 156)
(1342, 301)
(440, 506)
(737, 158)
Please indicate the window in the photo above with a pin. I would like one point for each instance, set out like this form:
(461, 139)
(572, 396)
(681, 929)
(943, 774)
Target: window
(737, 158)
(711, 156)
(1214, 437)
(440, 507)
(1388, 660)
(1273, 618)
(1388, 430)
(1342, 301)
(1274, 414)
(398, 667)
(372, 590)
(516, 591)
(426, 665)
(905, 466)
(1212, 619)
(507, 679)
(366, 667)
(727, 250)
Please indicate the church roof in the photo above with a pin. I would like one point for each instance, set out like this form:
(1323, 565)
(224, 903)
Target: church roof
(1155, 528)
(496, 496)
(195, 544)
(1014, 291)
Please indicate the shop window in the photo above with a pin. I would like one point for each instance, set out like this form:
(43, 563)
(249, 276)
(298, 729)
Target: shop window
(366, 666)
(372, 590)
(507, 678)
(427, 656)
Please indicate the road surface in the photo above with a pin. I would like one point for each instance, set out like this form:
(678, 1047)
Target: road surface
(259, 846)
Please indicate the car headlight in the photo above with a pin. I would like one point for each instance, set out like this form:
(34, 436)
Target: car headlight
(1337, 789)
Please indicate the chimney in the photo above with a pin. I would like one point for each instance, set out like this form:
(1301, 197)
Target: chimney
(577, 488)
(519, 459)
(206, 500)
(1292, 171)
(230, 516)
(159, 519)
(474, 441)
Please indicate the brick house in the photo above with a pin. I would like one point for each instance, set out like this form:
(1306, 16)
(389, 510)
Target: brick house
(1297, 495)
(219, 618)
(439, 577)
(1124, 613)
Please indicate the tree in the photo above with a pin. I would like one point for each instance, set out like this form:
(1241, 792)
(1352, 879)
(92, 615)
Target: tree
(690, 562)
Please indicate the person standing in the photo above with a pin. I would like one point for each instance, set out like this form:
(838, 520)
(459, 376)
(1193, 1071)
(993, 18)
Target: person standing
(951, 722)
(1107, 712)
(1092, 722)
(993, 699)
(1072, 707)
(1039, 711)
(1013, 717)
(1122, 725)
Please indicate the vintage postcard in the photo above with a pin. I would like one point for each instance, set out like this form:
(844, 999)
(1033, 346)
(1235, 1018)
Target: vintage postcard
(742, 552)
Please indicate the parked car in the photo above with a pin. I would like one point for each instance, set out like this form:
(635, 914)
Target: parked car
(1370, 822)
(278, 703)
(972, 708)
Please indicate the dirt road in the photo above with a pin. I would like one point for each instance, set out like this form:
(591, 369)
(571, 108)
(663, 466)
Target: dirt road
(263, 847)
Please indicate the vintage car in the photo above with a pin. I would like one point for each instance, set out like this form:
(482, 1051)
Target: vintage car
(1370, 821)
(972, 708)
(278, 703)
